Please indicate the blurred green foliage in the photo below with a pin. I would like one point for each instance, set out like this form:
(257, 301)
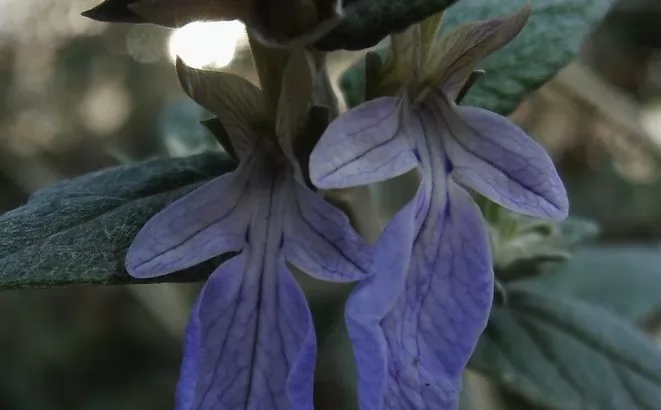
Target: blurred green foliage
(83, 348)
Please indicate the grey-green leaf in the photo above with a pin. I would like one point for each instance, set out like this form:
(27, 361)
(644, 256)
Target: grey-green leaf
(564, 354)
(551, 38)
(626, 280)
(576, 230)
(363, 22)
(366, 22)
(78, 231)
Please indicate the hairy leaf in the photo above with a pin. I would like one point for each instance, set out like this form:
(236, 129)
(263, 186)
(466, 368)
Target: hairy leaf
(551, 38)
(78, 231)
(626, 280)
(169, 13)
(363, 22)
(564, 354)
(366, 22)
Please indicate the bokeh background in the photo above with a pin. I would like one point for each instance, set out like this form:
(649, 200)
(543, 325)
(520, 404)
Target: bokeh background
(78, 95)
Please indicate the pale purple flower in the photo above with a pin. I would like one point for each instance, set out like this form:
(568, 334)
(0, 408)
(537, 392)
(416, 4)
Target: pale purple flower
(250, 342)
(416, 321)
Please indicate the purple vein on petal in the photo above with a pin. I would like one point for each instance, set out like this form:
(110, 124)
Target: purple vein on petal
(374, 297)
(496, 158)
(321, 241)
(256, 344)
(206, 223)
(436, 324)
(363, 146)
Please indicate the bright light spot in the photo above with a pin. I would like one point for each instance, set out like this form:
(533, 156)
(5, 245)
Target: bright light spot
(650, 120)
(105, 108)
(206, 44)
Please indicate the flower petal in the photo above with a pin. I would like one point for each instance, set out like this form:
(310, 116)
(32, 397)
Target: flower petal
(252, 343)
(497, 159)
(320, 241)
(373, 298)
(457, 54)
(185, 394)
(234, 100)
(434, 327)
(206, 223)
(364, 145)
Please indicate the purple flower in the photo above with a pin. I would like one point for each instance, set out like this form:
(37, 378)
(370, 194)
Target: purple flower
(250, 342)
(416, 321)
